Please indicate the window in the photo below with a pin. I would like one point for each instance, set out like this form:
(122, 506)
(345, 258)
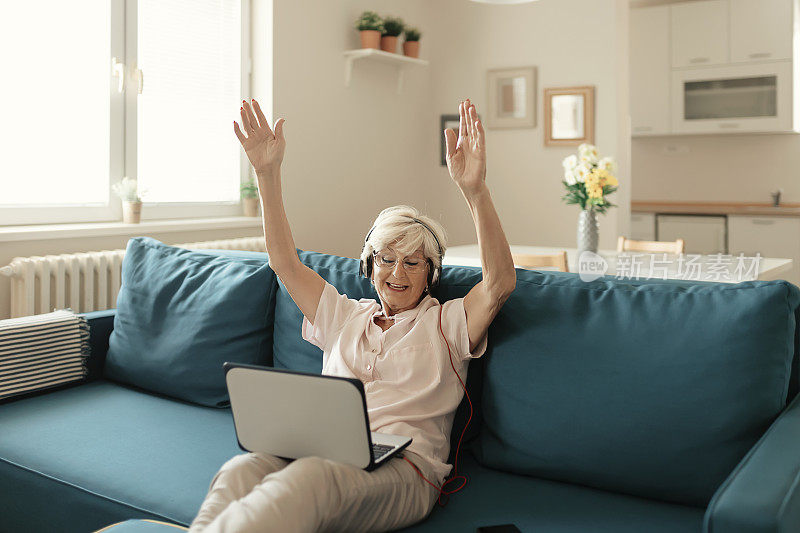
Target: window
(82, 113)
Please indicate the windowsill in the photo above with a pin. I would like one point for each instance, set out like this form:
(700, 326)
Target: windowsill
(98, 229)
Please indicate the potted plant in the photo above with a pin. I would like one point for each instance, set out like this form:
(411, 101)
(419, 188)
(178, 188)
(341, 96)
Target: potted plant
(392, 27)
(370, 26)
(588, 179)
(127, 190)
(411, 44)
(249, 191)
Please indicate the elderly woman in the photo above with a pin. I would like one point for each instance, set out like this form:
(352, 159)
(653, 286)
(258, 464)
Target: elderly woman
(395, 348)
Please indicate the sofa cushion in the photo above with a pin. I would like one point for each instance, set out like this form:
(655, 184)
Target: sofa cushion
(182, 313)
(648, 388)
(291, 351)
(81, 458)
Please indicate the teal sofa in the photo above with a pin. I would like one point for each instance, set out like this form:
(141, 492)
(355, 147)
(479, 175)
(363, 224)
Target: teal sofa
(604, 406)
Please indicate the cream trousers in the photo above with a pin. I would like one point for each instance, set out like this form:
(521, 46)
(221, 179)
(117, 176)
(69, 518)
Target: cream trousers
(257, 492)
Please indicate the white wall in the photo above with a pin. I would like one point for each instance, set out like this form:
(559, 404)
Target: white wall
(354, 151)
(572, 43)
(350, 152)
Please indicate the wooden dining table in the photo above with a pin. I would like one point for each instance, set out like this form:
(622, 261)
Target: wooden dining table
(725, 268)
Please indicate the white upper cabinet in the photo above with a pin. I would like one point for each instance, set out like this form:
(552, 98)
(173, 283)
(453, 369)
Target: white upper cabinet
(699, 33)
(761, 30)
(649, 71)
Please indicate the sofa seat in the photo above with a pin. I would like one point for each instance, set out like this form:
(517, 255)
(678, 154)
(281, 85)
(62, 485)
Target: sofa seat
(111, 448)
(118, 451)
(493, 497)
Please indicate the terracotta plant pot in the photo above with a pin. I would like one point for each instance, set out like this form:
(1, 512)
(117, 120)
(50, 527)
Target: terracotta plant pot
(411, 48)
(250, 207)
(389, 44)
(370, 39)
(131, 212)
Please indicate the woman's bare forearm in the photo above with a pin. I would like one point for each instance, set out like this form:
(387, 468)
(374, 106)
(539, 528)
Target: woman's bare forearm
(280, 244)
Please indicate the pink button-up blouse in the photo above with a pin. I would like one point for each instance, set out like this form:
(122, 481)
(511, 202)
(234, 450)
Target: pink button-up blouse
(410, 387)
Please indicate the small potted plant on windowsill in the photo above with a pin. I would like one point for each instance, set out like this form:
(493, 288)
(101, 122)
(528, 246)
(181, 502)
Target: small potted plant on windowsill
(128, 192)
(411, 43)
(249, 191)
(392, 27)
(370, 26)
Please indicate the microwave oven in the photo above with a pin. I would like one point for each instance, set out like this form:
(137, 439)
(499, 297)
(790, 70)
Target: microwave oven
(734, 98)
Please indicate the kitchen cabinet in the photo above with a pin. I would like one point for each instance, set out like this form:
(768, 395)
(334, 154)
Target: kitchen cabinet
(699, 33)
(643, 226)
(760, 30)
(702, 234)
(650, 72)
(771, 236)
(714, 66)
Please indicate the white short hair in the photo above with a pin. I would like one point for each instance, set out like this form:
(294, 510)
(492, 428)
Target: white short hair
(396, 227)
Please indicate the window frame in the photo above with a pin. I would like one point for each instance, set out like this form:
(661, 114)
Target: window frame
(122, 138)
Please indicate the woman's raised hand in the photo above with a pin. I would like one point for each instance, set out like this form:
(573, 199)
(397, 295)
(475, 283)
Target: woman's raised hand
(466, 156)
(264, 148)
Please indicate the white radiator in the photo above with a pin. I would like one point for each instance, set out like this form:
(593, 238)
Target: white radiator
(87, 281)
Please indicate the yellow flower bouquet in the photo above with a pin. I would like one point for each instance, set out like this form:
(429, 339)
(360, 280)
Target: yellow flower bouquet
(589, 180)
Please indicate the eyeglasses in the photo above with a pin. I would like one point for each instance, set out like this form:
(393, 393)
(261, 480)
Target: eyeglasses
(388, 260)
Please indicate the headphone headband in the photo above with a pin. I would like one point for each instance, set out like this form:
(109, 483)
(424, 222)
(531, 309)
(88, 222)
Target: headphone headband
(418, 221)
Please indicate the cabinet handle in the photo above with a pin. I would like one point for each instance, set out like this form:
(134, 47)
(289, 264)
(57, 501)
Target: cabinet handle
(759, 55)
(698, 60)
(729, 125)
(762, 222)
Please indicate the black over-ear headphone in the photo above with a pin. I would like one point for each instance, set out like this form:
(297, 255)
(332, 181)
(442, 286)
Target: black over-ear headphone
(366, 269)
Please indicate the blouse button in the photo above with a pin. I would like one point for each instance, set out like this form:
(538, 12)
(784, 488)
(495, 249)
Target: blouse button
(369, 367)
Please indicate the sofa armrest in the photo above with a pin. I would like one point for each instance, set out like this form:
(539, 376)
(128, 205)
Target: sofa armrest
(100, 325)
(762, 494)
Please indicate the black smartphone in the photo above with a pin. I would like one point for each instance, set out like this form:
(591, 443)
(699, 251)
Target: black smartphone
(505, 528)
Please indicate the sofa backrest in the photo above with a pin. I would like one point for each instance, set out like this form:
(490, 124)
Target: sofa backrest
(646, 387)
(654, 388)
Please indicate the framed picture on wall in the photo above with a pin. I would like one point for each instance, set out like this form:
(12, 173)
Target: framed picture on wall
(569, 116)
(512, 98)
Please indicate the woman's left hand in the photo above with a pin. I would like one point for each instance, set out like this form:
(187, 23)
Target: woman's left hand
(466, 156)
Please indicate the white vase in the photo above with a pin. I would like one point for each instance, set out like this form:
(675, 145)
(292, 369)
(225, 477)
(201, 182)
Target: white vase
(588, 231)
(131, 212)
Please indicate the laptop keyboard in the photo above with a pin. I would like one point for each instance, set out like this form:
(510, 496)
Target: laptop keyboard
(378, 450)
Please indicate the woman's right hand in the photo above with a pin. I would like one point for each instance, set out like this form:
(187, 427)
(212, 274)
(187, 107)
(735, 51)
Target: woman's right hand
(264, 148)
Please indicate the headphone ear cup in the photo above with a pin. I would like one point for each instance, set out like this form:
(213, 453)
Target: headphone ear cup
(367, 272)
(438, 278)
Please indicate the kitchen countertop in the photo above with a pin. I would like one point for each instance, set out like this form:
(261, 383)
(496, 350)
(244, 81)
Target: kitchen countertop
(716, 208)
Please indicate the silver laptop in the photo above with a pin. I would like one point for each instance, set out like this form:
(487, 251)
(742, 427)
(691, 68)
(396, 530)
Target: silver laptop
(296, 414)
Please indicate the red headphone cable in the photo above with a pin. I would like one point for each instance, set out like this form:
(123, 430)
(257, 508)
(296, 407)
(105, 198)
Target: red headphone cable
(458, 447)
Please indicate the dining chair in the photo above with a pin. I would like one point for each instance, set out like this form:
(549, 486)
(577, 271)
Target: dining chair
(630, 245)
(557, 260)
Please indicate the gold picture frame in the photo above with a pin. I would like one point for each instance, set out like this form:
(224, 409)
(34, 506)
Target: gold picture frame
(569, 116)
(512, 98)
